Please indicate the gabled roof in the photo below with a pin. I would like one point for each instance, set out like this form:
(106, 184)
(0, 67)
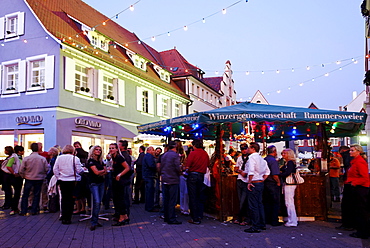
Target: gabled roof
(55, 16)
(213, 82)
(178, 65)
(259, 98)
(313, 106)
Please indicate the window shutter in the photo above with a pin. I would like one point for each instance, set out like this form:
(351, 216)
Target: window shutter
(2, 81)
(69, 74)
(151, 101)
(2, 27)
(121, 91)
(183, 109)
(92, 82)
(173, 108)
(100, 84)
(20, 23)
(22, 76)
(49, 72)
(115, 89)
(159, 105)
(139, 98)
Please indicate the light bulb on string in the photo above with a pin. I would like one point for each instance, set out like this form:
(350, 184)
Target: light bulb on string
(327, 74)
(153, 38)
(355, 62)
(224, 11)
(247, 73)
(322, 65)
(138, 42)
(278, 91)
(308, 68)
(292, 69)
(168, 34)
(338, 62)
(185, 28)
(301, 84)
(262, 72)
(132, 8)
(277, 71)
(204, 20)
(312, 79)
(340, 68)
(216, 72)
(104, 23)
(289, 88)
(25, 41)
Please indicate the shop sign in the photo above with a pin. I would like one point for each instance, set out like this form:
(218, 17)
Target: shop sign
(33, 120)
(89, 124)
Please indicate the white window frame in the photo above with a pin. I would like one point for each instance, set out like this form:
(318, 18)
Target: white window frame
(85, 88)
(334, 141)
(300, 143)
(47, 71)
(310, 143)
(140, 100)
(109, 89)
(16, 29)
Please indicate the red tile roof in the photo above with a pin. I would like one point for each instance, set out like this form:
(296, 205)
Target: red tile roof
(54, 15)
(213, 82)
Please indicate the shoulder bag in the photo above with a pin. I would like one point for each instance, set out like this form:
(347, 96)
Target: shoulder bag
(294, 179)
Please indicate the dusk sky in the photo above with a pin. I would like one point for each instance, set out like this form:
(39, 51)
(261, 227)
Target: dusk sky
(260, 36)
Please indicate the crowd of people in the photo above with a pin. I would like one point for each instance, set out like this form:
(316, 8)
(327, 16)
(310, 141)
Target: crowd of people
(82, 180)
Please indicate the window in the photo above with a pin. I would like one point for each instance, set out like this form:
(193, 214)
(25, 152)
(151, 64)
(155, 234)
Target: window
(11, 77)
(37, 70)
(164, 106)
(103, 45)
(198, 91)
(145, 101)
(192, 88)
(230, 91)
(177, 109)
(108, 92)
(94, 41)
(81, 83)
(334, 141)
(12, 25)
(310, 142)
(300, 142)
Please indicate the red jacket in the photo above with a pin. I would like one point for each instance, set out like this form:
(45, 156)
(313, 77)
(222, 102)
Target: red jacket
(358, 173)
(198, 161)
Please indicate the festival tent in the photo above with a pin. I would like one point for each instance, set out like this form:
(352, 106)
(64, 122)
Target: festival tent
(268, 123)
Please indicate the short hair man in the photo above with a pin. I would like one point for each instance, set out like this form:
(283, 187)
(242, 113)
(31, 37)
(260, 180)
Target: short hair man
(271, 192)
(139, 182)
(33, 169)
(196, 164)
(241, 185)
(149, 173)
(257, 171)
(170, 171)
(123, 146)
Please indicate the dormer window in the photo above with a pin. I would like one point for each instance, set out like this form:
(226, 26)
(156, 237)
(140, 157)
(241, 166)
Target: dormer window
(139, 62)
(98, 41)
(94, 41)
(12, 25)
(163, 74)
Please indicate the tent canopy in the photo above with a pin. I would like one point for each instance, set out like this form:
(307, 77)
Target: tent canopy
(269, 122)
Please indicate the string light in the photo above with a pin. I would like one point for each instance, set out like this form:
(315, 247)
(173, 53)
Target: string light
(132, 8)
(186, 28)
(204, 20)
(153, 38)
(224, 11)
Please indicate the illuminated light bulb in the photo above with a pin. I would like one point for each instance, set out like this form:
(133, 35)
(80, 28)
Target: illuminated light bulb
(353, 59)
(204, 20)
(340, 68)
(278, 91)
(294, 132)
(153, 38)
(116, 16)
(216, 72)
(281, 137)
(326, 122)
(262, 72)
(25, 41)
(186, 28)
(355, 62)
(77, 36)
(169, 34)
(332, 131)
(93, 29)
(84, 32)
(126, 60)
(289, 88)
(367, 56)
(2, 44)
(294, 127)
(308, 68)
(338, 62)
(85, 46)
(247, 73)
(104, 23)
(126, 44)
(292, 69)
(170, 68)
(293, 137)
(132, 8)
(82, 47)
(139, 42)
(97, 52)
(277, 71)
(326, 74)
(312, 79)
(47, 37)
(111, 57)
(317, 124)
(301, 84)
(114, 46)
(268, 93)
(308, 135)
(224, 11)
(186, 70)
(73, 44)
(70, 38)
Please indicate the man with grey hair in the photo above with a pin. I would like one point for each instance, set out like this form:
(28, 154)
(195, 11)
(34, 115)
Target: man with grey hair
(272, 189)
(33, 169)
(149, 173)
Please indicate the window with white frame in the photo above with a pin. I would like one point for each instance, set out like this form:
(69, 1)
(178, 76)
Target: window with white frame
(11, 73)
(300, 142)
(145, 101)
(334, 141)
(108, 89)
(165, 109)
(177, 109)
(81, 79)
(12, 25)
(103, 44)
(310, 142)
(94, 41)
(37, 70)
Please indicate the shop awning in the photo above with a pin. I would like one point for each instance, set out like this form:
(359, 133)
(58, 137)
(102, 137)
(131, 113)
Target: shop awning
(270, 122)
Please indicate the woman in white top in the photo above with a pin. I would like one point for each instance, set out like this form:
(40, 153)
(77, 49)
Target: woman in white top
(67, 169)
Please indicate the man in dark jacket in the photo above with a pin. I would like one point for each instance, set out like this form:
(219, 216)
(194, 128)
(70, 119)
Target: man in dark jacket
(139, 182)
(149, 173)
(170, 172)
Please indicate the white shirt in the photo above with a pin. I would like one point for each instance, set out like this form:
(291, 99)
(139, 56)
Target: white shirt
(63, 168)
(239, 163)
(257, 167)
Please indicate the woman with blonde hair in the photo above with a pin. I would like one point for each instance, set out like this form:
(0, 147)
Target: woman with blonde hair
(97, 170)
(67, 169)
(287, 169)
(358, 178)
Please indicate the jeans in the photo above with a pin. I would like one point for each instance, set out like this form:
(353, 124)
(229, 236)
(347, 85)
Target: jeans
(157, 192)
(271, 202)
(243, 200)
(97, 191)
(255, 205)
(170, 199)
(289, 191)
(149, 193)
(334, 188)
(28, 185)
(12, 196)
(107, 190)
(195, 188)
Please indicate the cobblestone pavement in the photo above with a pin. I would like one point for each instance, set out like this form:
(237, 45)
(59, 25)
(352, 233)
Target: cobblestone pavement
(148, 230)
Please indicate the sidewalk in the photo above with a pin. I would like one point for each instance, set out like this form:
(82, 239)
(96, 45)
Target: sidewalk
(148, 230)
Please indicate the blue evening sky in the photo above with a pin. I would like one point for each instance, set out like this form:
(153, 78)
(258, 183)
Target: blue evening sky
(260, 35)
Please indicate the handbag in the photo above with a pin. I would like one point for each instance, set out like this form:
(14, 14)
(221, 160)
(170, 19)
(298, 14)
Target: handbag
(294, 179)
